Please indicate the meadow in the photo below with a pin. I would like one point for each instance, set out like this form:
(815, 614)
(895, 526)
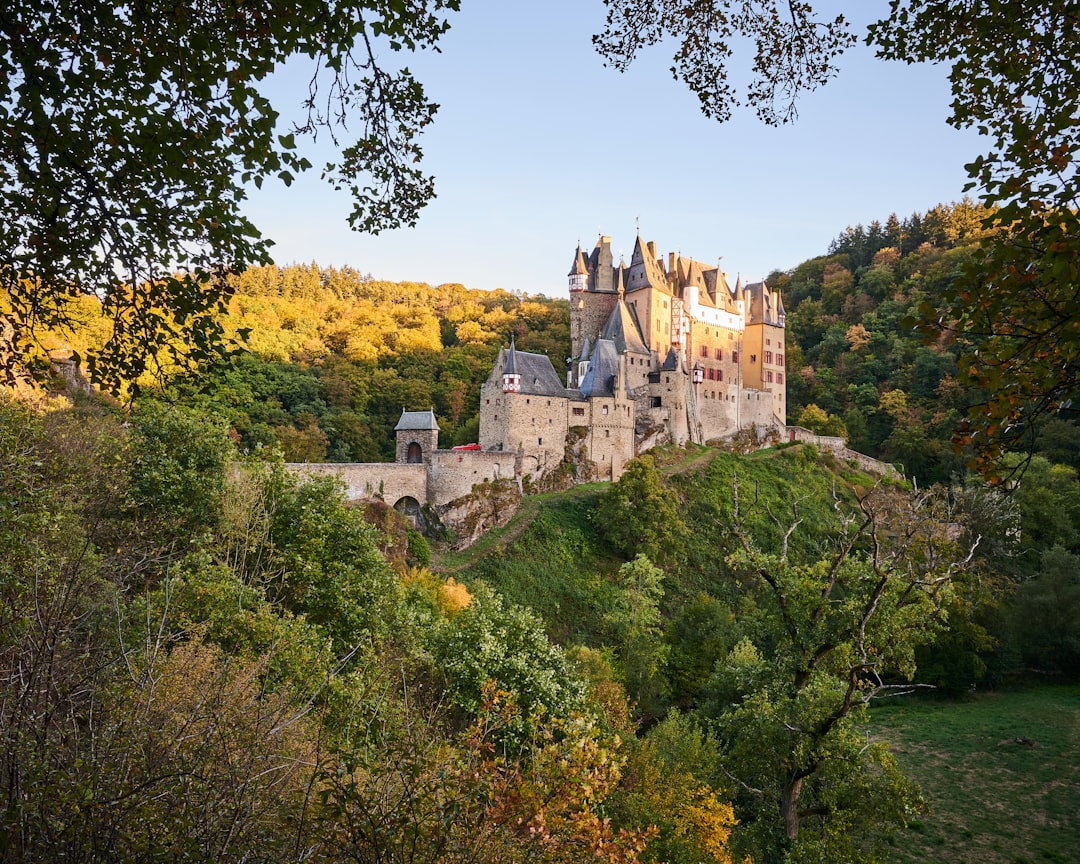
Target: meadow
(1000, 773)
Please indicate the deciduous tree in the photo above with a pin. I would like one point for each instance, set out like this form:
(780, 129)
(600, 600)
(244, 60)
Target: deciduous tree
(128, 131)
(844, 628)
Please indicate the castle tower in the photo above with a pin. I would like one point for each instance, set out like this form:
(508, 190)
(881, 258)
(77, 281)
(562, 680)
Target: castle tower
(592, 293)
(417, 436)
(763, 361)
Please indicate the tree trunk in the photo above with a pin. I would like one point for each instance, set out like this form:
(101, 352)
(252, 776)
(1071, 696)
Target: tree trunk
(789, 808)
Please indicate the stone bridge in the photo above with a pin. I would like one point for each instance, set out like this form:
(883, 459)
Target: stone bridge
(445, 476)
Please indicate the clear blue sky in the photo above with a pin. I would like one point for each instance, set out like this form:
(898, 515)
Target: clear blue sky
(537, 146)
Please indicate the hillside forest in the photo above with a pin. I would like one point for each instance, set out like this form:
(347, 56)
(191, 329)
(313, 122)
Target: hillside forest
(207, 658)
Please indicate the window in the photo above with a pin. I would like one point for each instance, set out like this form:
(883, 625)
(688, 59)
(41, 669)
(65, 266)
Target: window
(734, 356)
(539, 440)
(719, 354)
(768, 341)
(704, 350)
(497, 402)
(779, 359)
(605, 409)
(579, 412)
(719, 374)
(527, 401)
(487, 401)
(768, 377)
(779, 377)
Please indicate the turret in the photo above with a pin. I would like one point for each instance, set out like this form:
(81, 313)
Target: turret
(511, 378)
(579, 273)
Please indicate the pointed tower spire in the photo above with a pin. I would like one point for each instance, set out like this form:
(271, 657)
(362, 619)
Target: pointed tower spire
(620, 281)
(511, 378)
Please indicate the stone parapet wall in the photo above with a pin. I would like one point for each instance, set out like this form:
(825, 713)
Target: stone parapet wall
(839, 446)
(449, 474)
(389, 481)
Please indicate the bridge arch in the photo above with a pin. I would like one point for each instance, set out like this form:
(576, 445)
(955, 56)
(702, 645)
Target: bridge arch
(411, 508)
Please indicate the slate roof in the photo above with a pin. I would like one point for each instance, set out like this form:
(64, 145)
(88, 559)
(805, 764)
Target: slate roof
(600, 379)
(654, 276)
(672, 363)
(417, 421)
(538, 376)
(622, 329)
(578, 268)
(511, 360)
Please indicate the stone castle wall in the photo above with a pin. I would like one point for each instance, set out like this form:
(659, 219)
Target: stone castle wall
(453, 473)
(589, 311)
(609, 442)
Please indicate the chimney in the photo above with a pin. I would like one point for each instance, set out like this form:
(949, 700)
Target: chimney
(671, 262)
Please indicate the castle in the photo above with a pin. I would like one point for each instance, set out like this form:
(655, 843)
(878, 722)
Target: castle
(659, 353)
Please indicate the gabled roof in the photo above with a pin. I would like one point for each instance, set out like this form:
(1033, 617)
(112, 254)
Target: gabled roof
(693, 274)
(654, 275)
(417, 421)
(622, 329)
(586, 349)
(600, 379)
(538, 376)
